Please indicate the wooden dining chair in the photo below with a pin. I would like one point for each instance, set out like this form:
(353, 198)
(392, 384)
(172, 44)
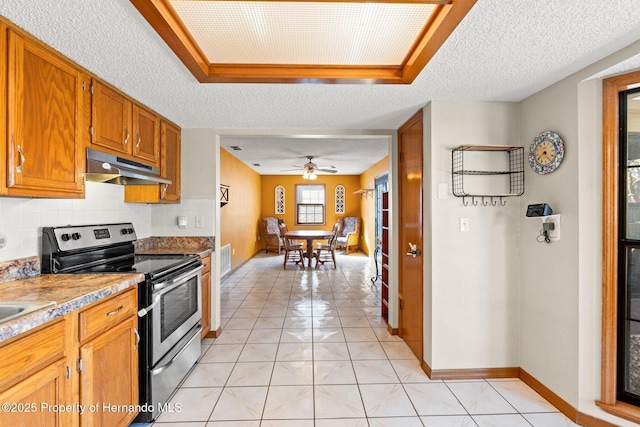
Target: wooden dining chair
(327, 251)
(293, 251)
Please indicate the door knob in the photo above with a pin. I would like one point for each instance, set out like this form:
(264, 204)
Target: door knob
(413, 250)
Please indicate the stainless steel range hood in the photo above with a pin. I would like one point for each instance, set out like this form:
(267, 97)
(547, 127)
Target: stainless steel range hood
(103, 167)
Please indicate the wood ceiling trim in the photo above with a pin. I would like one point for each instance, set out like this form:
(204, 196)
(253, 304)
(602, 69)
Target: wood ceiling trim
(163, 18)
(443, 23)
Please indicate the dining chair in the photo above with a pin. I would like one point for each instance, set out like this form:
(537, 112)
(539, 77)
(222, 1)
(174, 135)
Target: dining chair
(293, 251)
(327, 251)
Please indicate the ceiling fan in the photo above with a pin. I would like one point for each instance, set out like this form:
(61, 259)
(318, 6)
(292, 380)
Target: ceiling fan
(311, 168)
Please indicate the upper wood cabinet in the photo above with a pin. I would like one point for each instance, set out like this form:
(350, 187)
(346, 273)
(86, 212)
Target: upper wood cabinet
(45, 123)
(170, 165)
(169, 168)
(123, 127)
(146, 135)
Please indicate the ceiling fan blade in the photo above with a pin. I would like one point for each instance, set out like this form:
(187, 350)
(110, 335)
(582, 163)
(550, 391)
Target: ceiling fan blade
(290, 170)
(326, 170)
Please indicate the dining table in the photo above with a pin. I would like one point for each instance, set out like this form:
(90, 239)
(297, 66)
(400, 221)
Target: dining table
(309, 236)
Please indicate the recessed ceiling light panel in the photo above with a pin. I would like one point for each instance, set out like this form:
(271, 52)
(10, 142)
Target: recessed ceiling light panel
(314, 41)
(310, 33)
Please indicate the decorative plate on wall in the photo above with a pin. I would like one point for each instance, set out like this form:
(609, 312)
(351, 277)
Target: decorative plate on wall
(546, 152)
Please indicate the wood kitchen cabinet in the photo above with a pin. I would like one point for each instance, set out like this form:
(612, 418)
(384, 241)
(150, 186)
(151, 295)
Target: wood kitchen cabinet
(108, 340)
(45, 120)
(122, 127)
(84, 359)
(35, 377)
(206, 296)
(170, 160)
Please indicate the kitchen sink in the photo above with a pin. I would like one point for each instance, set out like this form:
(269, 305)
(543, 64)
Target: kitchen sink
(12, 309)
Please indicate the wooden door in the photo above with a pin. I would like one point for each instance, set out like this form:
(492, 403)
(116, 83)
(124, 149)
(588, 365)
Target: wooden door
(146, 135)
(32, 402)
(110, 376)
(410, 287)
(111, 119)
(171, 161)
(45, 147)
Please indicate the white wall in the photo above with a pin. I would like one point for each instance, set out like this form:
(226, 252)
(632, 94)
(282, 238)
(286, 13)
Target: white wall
(22, 219)
(549, 303)
(562, 281)
(200, 185)
(475, 274)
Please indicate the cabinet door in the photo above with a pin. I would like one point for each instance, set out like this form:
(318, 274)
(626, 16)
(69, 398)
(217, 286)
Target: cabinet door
(111, 124)
(170, 162)
(146, 135)
(32, 401)
(45, 149)
(110, 376)
(206, 304)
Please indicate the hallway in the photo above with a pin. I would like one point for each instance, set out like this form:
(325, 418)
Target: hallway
(308, 348)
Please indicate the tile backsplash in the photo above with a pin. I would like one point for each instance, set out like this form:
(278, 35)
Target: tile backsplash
(21, 219)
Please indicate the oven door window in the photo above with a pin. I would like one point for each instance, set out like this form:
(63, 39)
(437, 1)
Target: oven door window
(177, 306)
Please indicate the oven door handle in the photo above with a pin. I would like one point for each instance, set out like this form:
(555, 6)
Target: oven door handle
(167, 365)
(143, 312)
(176, 280)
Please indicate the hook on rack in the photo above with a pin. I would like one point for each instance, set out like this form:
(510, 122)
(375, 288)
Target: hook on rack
(493, 201)
(474, 201)
(465, 202)
(503, 201)
(485, 203)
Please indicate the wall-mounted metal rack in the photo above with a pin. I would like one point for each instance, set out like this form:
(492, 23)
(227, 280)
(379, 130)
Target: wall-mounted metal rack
(461, 175)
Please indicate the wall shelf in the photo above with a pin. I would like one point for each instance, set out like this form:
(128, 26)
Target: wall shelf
(365, 192)
(466, 183)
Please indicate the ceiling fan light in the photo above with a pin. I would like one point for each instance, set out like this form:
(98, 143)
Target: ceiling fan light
(312, 175)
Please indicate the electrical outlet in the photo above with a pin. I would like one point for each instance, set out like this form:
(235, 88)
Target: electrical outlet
(199, 221)
(551, 224)
(3, 240)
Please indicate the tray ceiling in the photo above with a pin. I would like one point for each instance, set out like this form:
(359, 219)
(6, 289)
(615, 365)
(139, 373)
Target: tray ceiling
(315, 41)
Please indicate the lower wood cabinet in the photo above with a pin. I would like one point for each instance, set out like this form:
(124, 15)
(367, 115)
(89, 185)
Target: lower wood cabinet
(109, 377)
(66, 374)
(206, 296)
(35, 401)
(109, 361)
(36, 378)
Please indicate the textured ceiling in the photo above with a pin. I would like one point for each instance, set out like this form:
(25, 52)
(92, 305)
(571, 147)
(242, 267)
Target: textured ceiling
(277, 155)
(502, 51)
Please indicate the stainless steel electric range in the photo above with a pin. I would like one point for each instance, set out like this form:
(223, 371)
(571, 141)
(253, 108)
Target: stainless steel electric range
(169, 300)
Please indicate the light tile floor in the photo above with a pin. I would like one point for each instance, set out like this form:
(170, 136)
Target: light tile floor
(308, 349)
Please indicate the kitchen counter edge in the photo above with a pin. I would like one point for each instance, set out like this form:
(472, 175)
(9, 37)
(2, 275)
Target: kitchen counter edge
(70, 292)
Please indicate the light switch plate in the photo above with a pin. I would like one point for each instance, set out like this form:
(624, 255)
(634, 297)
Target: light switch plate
(464, 224)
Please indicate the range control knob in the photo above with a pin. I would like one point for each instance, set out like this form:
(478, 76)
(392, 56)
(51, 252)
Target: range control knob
(130, 230)
(76, 236)
(65, 237)
(123, 231)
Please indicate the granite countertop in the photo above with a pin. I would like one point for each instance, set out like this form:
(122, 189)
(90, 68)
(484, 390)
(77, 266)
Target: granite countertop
(203, 252)
(69, 291)
(202, 246)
